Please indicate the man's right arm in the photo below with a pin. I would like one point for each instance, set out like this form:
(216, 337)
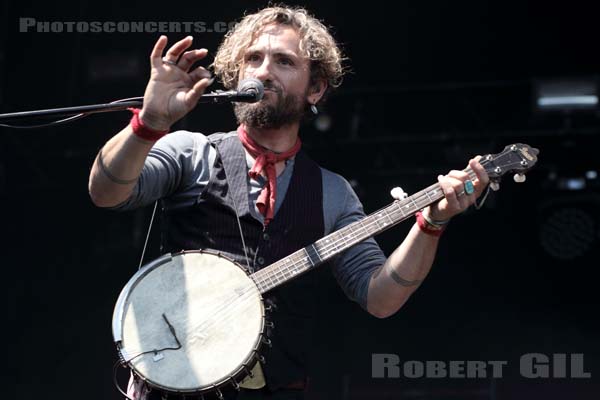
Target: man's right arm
(173, 90)
(117, 168)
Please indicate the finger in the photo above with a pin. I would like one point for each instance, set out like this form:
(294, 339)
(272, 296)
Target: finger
(482, 176)
(460, 175)
(175, 51)
(465, 200)
(464, 176)
(193, 95)
(190, 57)
(449, 192)
(157, 51)
(459, 186)
(479, 171)
(199, 73)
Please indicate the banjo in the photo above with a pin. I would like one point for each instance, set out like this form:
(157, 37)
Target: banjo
(193, 323)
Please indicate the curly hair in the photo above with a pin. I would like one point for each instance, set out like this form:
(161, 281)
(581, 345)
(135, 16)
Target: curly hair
(316, 44)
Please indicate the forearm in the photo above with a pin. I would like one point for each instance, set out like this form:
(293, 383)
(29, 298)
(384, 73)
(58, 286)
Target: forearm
(113, 178)
(403, 271)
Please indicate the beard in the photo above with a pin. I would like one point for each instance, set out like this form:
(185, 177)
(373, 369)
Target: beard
(287, 109)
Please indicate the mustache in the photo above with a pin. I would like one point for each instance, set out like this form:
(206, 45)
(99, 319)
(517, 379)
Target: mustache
(270, 86)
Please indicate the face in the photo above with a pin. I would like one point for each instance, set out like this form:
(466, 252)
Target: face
(275, 59)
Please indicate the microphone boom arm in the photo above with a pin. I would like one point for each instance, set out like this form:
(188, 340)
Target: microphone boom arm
(249, 91)
(118, 105)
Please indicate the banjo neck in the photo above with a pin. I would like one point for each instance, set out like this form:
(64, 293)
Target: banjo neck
(517, 158)
(323, 249)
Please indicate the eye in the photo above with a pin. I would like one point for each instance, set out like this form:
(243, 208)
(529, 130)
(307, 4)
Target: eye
(286, 61)
(252, 57)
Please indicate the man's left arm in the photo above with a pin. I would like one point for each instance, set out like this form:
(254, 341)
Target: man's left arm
(392, 284)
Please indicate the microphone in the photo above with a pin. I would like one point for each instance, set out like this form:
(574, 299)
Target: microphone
(249, 90)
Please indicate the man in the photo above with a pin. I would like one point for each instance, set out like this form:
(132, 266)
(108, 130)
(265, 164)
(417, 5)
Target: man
(259, 177)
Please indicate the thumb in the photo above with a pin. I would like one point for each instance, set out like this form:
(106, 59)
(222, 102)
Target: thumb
(194, 94)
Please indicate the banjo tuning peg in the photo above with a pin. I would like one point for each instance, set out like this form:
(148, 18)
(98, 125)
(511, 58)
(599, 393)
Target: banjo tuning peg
(519, 178)
(495, 186)
(398, 194)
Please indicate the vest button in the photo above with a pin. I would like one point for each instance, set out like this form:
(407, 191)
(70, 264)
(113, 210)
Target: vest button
(266, 236)
(260, 260)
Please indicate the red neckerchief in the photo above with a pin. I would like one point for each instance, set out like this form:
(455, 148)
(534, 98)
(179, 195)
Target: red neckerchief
(265, 160)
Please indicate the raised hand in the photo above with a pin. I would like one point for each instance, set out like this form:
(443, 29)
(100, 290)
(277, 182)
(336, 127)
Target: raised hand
(173, 90)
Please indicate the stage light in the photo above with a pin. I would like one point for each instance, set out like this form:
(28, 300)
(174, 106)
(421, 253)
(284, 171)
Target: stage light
(572, 181)
(571, 184)
(566, 95)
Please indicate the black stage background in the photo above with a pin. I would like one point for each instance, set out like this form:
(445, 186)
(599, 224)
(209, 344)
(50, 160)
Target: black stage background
(433, 83)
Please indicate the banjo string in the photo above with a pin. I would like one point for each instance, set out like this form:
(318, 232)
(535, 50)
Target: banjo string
(290, 268)
(227, 309)
(231, 306)
(258, 278)
(263, 279)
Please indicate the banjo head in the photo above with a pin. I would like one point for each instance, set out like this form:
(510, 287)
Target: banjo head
(211, 308)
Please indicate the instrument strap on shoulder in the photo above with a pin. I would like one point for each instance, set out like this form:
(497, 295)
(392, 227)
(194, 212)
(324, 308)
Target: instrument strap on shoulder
(148, 234)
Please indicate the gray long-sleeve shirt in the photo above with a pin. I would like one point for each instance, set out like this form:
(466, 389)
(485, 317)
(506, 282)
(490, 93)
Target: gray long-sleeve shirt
(179, 167)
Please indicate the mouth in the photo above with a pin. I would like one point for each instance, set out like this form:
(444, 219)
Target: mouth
(269, 93)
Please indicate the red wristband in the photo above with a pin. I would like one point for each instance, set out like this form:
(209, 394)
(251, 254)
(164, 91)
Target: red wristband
(426, 227)
(142, 131)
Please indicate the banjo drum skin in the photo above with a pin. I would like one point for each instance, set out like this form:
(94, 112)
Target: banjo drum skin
(190, 322)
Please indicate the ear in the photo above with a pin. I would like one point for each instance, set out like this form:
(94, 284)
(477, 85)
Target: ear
(316, 92)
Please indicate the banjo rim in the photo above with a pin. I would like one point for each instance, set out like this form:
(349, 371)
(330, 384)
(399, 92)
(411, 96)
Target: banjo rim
(236, 376)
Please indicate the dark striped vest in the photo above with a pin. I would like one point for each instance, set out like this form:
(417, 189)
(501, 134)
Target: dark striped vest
(211, 224)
